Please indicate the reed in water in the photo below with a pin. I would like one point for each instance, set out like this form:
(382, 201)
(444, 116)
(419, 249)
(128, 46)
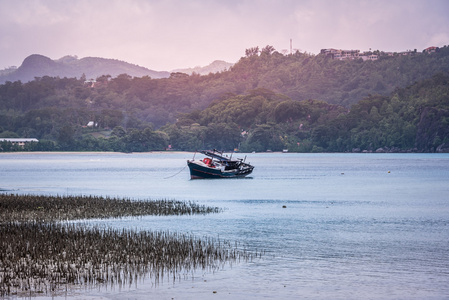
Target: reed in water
(39, 254)
(49, 208)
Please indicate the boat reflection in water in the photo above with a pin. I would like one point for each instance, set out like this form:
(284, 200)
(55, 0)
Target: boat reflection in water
(217, 165)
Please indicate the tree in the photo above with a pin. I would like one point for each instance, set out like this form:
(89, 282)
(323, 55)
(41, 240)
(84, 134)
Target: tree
(264, 137)
(222, 136)
(268, 50)
(66, 138)
(121, 83)
(118, 131)
(289, 111)
(252, 51)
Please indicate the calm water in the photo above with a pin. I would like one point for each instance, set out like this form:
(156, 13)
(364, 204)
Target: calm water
(355, 226)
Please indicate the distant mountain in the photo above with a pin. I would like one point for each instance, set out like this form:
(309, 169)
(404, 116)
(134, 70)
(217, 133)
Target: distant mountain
(37, 65)
(214, 67)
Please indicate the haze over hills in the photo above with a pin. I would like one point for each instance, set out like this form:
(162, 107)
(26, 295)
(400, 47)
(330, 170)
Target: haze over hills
(215, 66)
(37, 65)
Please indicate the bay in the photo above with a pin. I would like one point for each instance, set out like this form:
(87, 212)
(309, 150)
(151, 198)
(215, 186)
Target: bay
(333, 226)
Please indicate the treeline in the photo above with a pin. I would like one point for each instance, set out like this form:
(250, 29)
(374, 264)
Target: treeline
(117, 140)
(264, 102)
(411, 119)
(415, 119)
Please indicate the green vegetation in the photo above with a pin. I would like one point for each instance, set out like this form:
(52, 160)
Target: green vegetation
(266, 101)
(412, 119)
(40, 253)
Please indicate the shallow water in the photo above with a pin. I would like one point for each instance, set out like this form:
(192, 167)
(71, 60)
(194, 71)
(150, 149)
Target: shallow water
(370, 226)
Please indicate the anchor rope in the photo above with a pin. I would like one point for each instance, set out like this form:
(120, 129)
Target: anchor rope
(176, 173)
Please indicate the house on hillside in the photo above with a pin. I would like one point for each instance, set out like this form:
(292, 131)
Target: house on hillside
(369, 57)
(19, 141)
(91, 124)
(329, 52)
(406, 53)
(432, 49)
(341, 54)
(90, 82)
(348, 54)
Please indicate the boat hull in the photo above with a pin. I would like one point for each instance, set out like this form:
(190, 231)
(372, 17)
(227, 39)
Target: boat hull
(202, 172)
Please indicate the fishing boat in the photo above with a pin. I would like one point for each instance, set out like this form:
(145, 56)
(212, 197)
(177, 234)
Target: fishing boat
(217, 165)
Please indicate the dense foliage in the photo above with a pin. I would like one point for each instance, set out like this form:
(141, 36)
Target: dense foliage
(263, 103)
(411, 119)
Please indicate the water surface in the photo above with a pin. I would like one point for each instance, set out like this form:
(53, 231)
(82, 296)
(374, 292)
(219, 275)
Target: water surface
(333, 226)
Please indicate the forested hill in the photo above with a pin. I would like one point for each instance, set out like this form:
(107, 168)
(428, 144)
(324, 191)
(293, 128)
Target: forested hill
(301, 76)
(413, 119)
(267, 101)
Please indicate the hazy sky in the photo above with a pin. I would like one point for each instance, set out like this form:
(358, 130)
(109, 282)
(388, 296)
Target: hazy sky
(167, 34)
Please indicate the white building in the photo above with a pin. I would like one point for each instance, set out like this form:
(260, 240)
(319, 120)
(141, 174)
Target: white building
(19, 141)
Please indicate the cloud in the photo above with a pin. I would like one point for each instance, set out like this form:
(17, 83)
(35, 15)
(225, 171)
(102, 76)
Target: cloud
(439, 38)
(169, 34)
